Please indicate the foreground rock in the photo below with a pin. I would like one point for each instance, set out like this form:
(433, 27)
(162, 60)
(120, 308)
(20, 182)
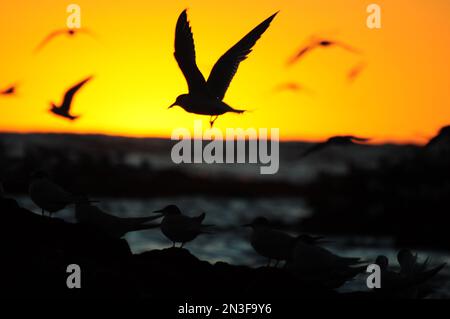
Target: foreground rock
(36, 251)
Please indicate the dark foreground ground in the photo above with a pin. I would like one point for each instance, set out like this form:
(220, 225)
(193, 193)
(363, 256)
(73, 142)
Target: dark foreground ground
(36, 251)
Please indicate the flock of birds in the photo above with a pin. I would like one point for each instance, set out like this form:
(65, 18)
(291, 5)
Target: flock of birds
(303, 255)
(205, 97)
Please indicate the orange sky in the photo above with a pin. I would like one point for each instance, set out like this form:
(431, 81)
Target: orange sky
(401, 96)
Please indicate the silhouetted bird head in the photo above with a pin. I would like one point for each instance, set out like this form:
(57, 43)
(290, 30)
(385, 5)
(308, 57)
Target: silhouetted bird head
(169, 210)
(182, 100)
(382, 261)
(258, 222)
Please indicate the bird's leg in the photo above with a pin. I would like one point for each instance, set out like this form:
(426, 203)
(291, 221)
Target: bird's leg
(211, 121)
(268, 262)
(173, 244)
(276, 263)
(182, 244)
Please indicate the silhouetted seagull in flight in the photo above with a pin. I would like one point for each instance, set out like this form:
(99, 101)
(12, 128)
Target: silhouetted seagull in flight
(205, 97)
(356, 71)
(180, 228)
(317, 43)
(10, 90)
(64, 109)
(293, 86)
(115, 227)
(67, 31)
(275, 244)
(48, 195)
(343, 140)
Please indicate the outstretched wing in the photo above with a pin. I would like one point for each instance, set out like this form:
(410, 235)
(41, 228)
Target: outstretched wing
(68, 97)
(48, 38)
(226, 67)
(185, 54)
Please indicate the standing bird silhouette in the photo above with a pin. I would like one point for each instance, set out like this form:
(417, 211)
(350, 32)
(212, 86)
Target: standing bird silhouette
(343, 140)
(67, 31)
(205, 97)
(48, 195)
(318, 43)
(113, 226)
(275, 244)
(180, 228)
(64, 109)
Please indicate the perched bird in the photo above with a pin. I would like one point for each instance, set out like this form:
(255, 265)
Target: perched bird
(205, 97)
(269, 242)
(356, 71)
(66, 31)
(344, 140)
(318, 266)
(409, 262)
(403, 285)
(64, 109)
(10, 90)
(47, 195)
(317, 43)
(180, 228)
(275, 244)
(115, 227)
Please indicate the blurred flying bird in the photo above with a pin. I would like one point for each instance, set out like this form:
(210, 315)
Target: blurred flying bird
(321, 267)
(67, 31)
(403, 285)
(292, 86)
(356, 71)
(205, 97)
(343, 140)
(115, 227)
(64, 109)
(275, 244)
(48, 195)
(318, 43)
(10, 90)
(180, 228)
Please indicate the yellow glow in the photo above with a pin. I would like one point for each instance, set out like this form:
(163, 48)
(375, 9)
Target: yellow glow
(402, 95)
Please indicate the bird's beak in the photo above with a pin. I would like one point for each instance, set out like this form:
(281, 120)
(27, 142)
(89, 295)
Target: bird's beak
(172, 105)
(158, 211)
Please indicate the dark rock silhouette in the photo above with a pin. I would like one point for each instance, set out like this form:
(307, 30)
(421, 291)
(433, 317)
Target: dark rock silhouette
(36, 251)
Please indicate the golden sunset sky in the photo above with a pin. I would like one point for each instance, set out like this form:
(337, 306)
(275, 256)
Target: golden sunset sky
(402, 95)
